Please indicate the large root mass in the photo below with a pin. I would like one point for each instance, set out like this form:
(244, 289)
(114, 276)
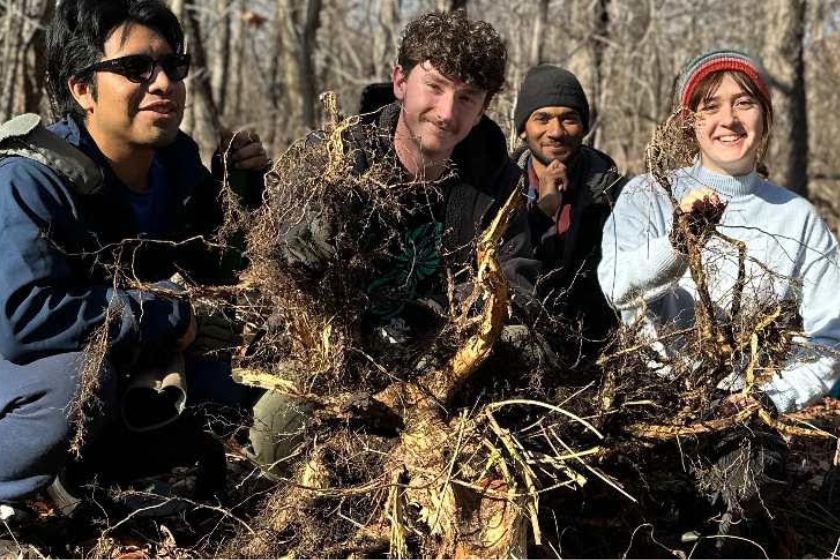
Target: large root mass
(406, 452)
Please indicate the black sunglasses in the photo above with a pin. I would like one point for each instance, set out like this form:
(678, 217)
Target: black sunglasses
(139, 68)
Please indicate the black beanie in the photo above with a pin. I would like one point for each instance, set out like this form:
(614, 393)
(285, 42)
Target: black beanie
(549, 86)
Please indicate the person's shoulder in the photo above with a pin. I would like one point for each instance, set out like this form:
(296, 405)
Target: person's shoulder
(601, 174)
(67, 130)
(792, 207)
(645, 183)
(483, 158)
(20, 170)
(26, 183)
(486, 135)
(596, 161)
(776, 194)
(48, 158)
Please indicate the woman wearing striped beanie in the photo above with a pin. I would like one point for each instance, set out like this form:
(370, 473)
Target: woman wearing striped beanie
(725, 104)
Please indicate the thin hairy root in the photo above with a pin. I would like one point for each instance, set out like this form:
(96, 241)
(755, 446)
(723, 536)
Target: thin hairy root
(664, 432)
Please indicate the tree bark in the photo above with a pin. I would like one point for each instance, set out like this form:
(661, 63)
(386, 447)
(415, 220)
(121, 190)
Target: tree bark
(308, 86)
(205, 114)
(300, 26)
(221, 59)
(536, 55)
(238, 59)
(592, 22)
(451, 5)
(384, 43)
(783, 57)
(12, 55)
(34, 62)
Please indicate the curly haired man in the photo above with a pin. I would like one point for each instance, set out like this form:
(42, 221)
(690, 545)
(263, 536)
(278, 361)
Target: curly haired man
(448, 70)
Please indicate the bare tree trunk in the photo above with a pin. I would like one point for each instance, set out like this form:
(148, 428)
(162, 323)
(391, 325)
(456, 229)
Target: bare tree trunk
(238, 59)
(591, 20)
(308, 86)
(451, 5)
(12, 55)
(299, 53)
(287, 45)
(536, 54)
(34, 63)
(384, 43)
(598, 44)
(783, 57)
(220, 75)
(205, 113)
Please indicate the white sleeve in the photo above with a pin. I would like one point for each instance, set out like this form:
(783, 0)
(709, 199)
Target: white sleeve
(638, 262)
(814, 368)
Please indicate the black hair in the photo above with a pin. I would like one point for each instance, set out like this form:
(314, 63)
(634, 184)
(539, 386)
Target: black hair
(76, 39)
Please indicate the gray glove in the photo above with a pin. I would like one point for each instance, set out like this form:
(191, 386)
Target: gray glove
(216, 333)
(308, 242)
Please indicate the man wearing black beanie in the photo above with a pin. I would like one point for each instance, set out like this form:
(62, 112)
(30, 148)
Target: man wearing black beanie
(571, 191)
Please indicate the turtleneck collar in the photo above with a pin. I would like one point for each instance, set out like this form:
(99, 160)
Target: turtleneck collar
(731, 186)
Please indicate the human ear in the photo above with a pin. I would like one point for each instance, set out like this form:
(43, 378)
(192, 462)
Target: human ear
(82, 92)
(399, 79)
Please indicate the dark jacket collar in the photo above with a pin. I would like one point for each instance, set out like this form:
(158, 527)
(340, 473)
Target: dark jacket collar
(595, 172)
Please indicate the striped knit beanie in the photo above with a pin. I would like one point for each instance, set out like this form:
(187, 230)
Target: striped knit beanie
(716, 61)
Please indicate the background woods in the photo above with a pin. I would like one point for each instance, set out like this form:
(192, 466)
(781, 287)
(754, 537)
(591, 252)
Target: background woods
(263, 63)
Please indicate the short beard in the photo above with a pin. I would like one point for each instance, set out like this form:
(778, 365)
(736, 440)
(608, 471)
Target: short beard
(537, 154)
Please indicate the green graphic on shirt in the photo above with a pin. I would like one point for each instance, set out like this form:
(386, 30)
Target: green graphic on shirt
(419, 261)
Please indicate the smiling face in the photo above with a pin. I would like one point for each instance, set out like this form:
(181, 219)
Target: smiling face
(437, 112)
(554, 133)
(123, 114)
(729, 128)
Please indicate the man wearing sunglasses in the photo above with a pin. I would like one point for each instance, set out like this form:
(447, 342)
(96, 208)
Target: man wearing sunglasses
(106, 202)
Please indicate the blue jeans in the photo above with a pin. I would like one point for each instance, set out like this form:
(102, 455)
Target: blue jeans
(34, 427)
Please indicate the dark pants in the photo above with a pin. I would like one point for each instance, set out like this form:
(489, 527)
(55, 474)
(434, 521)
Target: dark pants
(35, 430)
(34, 427)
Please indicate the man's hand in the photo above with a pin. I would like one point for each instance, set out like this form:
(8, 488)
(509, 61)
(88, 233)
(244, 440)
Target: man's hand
(244, 150)
(553, 184)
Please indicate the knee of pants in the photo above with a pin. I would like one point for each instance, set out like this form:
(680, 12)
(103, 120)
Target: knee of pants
(35, 428)
(279, 421)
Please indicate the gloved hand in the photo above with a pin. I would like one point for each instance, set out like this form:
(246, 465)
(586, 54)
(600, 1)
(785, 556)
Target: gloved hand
(216, 332)
(308, 242)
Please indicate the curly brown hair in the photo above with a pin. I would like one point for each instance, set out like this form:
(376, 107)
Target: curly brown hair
(469, 51)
